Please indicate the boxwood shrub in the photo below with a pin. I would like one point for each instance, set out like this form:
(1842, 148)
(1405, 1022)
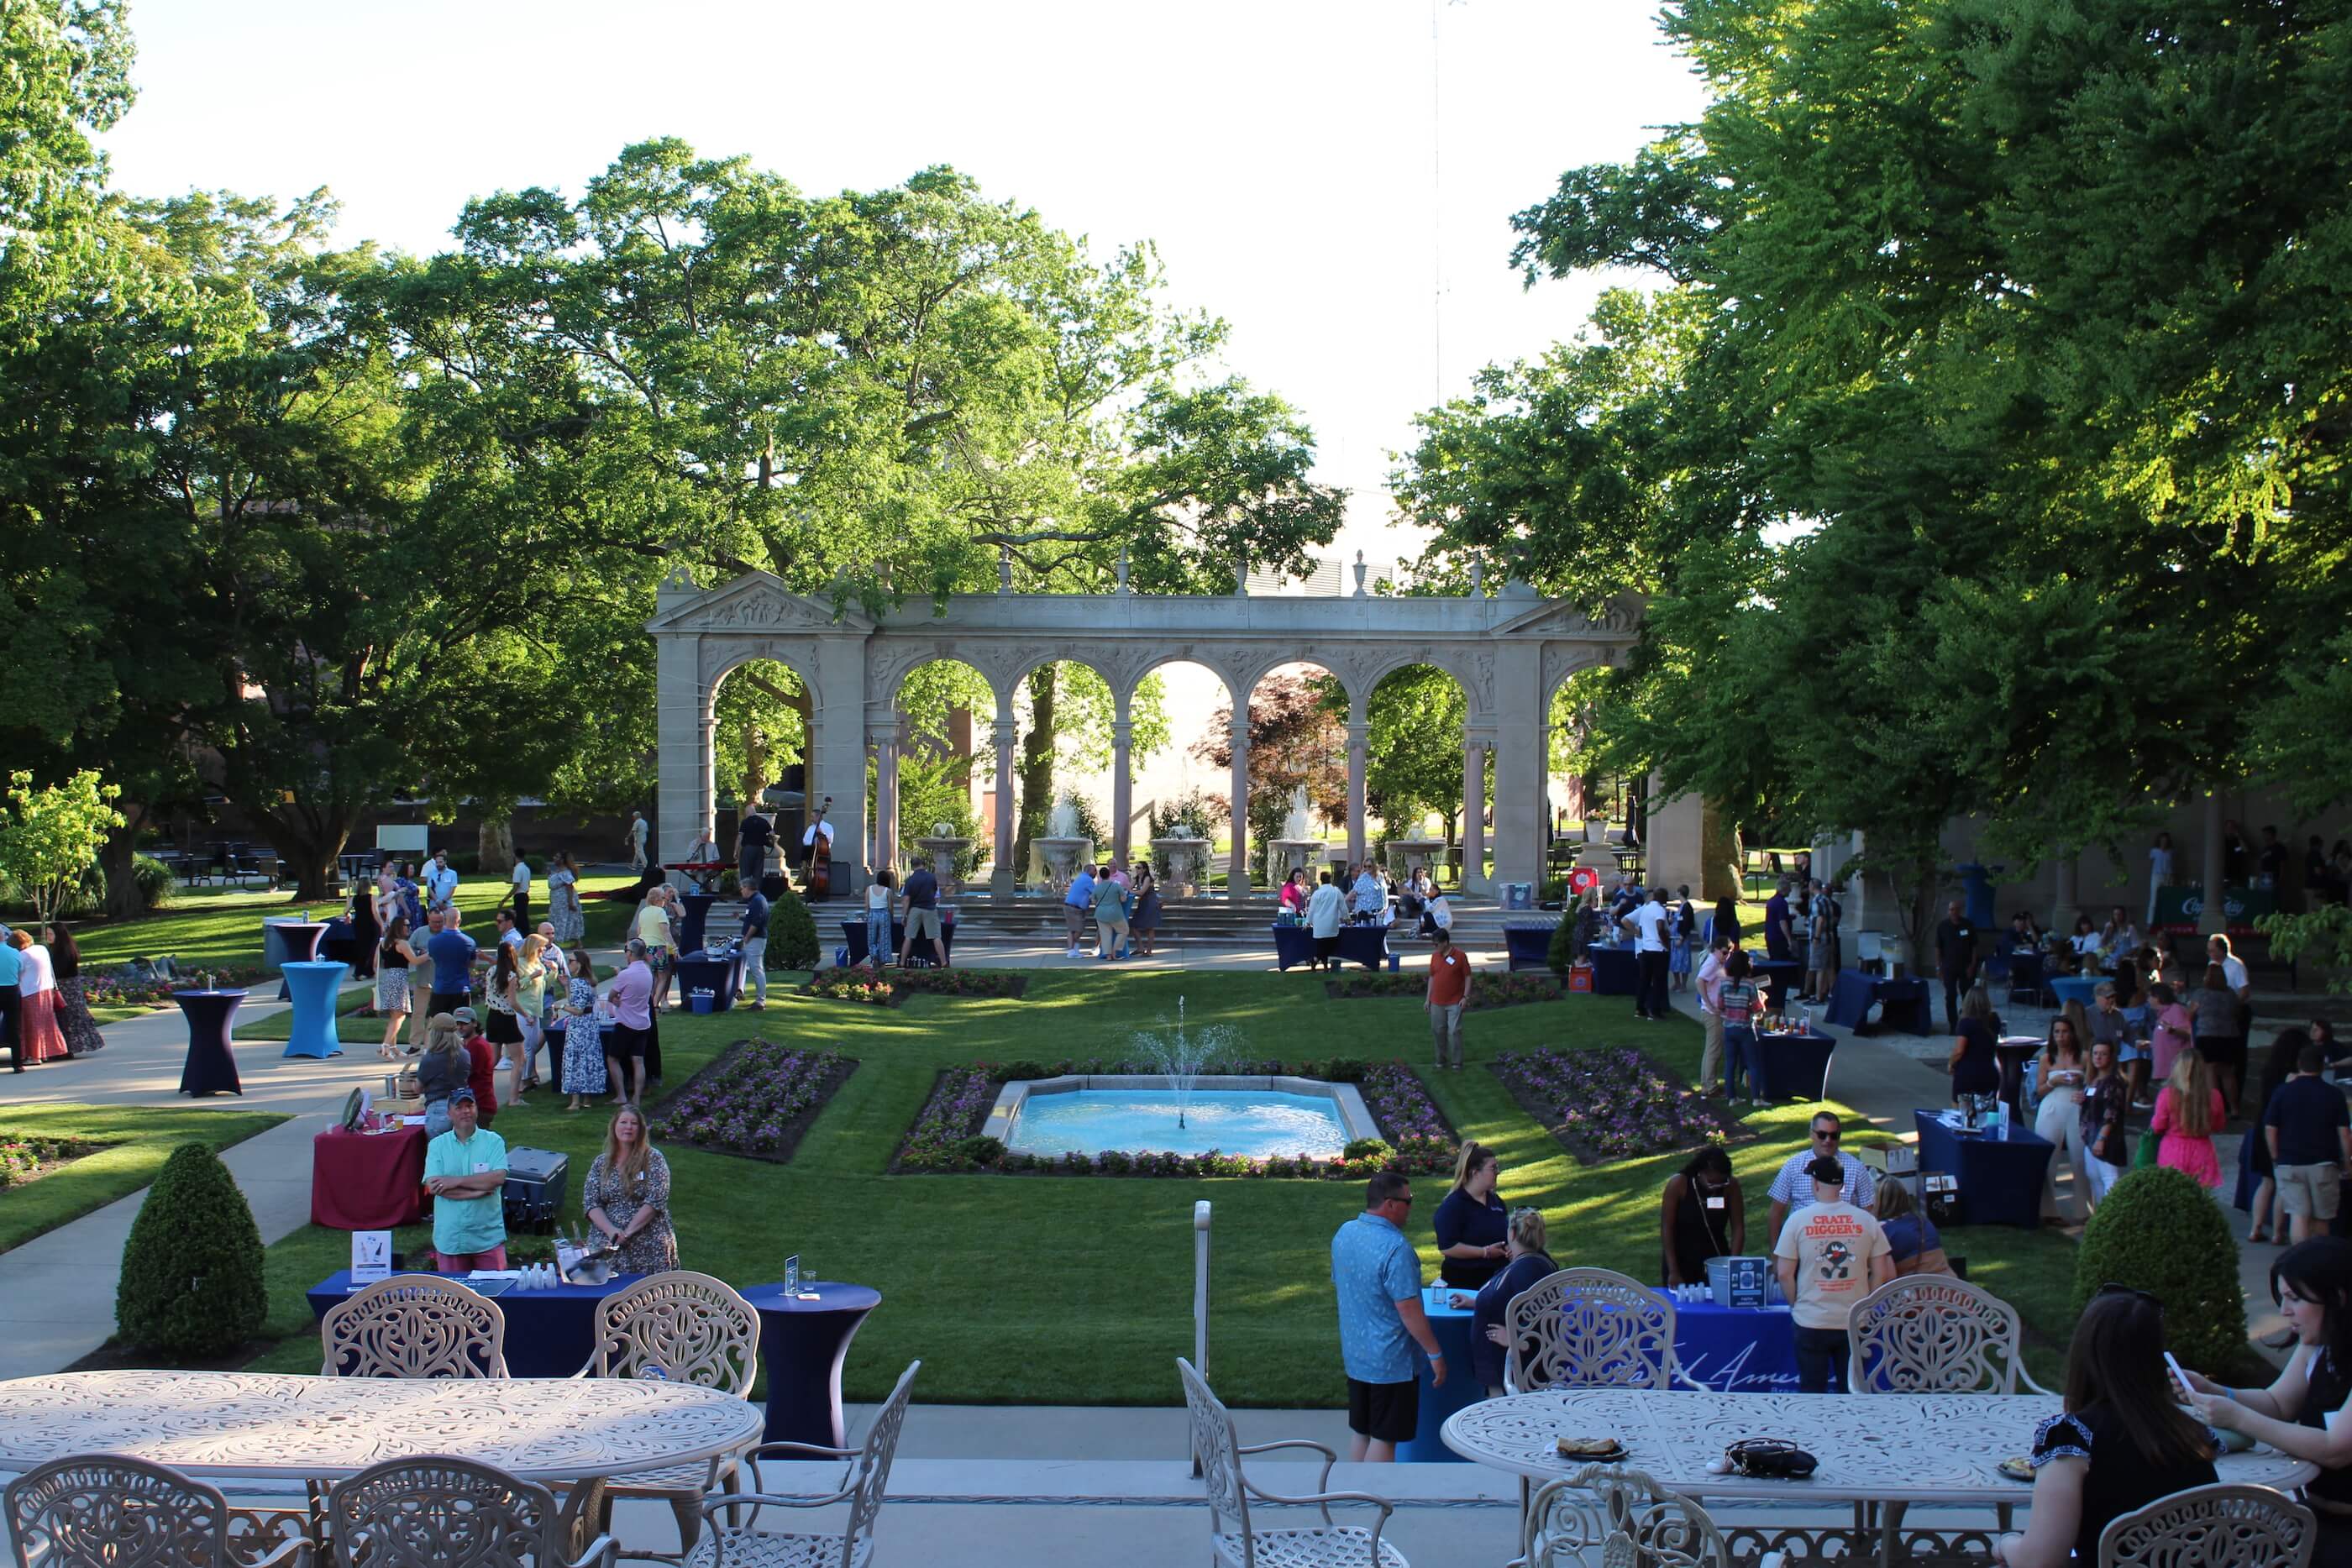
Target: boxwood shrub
(2160, 1231)
(192, 1270)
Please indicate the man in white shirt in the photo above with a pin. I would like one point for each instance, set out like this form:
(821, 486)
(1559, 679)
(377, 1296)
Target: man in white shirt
(819, 825)
(1793, 1189)
(1649, 923)
(635, 840)
(1710, 1015)
(518, 893)
(440, 882)
(1324, 907)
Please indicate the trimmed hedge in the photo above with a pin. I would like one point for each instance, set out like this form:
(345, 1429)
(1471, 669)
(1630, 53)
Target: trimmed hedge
(2160, 1231)
(791, 933)
(192, 1270)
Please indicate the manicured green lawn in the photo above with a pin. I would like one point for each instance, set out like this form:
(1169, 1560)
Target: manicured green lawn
(1058, 1290)
(142, 1137)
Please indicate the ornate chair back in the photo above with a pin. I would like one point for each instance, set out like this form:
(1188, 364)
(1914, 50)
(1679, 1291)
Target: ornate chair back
(688, 1326)
(413, 1325)
(434, 1511)
(1218, 1448)
(108, 1510)
(1622, 1515)
(869, 1474)
(1589, 1328)
(1933, 1334)
(2212, 1527)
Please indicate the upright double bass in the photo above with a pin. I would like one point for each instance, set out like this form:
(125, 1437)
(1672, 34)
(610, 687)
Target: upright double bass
(820, 871)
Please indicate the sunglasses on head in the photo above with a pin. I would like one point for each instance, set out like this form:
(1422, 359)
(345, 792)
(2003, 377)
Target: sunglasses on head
(2115, 1288)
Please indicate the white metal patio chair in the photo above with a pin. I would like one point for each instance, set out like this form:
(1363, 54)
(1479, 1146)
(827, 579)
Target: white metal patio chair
(863, 1486)
(1624, 1517)
(1219, 1449)
(437, 1510)
(414, 1325)
(1589, 1327)
(2212, 1527)
(110, 1511)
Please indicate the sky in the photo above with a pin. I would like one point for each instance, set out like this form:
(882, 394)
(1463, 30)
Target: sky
(1336, 180)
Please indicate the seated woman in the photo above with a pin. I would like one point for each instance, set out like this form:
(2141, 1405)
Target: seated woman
(2299, 1413)
(1530, 1264)
(2122, 1442)
(1911, 1235)
(627, 1197)
(1701, 1215)
(2082, 947)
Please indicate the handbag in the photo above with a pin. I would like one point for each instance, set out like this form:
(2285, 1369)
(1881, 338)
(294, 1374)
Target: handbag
(1770, 1458)
(2144, 1152)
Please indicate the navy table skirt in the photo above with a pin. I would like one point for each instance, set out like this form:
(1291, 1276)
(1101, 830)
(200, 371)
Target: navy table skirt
(210, 1068)
(2000, 1179)
(803, 1343)
(1903, 1004)
(1365, 944)
(698, 911)
(549, 1333)
(1737, 1350)
(1786, 976)
(290, 942)
(1616, 972)
(722, 977)
(853, 933)
(1796, 1064)
(1528, 945)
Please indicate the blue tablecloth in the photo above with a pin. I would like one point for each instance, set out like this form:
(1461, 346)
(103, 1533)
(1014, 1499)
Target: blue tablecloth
(289, 941)
(1616, 972)
(1528, 944)
(1903, 1003)
(549, 1333)
(211, 1067)
(722, 977)
(314, 987)
(1365, 944)
(852, 935)
(1427, 1446)
(804, 1345)
(1797, 1064)
(1786, 976)
(2075, 989)
(2000, 1179)
(698, 911)
(1737, 1350)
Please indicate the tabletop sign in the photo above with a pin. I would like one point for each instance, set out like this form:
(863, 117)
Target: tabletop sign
(792, 1275)
(371, 1256)
(1743, 1282)
(1583, 879)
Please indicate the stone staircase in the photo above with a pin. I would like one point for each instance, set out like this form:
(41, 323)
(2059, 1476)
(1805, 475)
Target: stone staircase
(1206, 923)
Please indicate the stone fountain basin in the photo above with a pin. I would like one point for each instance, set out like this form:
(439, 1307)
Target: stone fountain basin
(1218, 1089)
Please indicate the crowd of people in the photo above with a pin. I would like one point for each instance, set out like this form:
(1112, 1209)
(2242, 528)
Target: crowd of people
(44, 1011)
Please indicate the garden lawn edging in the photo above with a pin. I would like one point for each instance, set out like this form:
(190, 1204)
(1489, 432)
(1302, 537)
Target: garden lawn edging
(1611, 1102)
(1486, 991)
(756, 1098)
(946, 1135)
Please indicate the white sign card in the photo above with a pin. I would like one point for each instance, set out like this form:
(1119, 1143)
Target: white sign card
(371, 1256)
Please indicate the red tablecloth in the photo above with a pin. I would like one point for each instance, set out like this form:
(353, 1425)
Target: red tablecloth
(363, 1182)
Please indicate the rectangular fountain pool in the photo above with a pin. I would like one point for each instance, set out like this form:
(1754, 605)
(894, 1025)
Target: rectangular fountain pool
(1254, 1122)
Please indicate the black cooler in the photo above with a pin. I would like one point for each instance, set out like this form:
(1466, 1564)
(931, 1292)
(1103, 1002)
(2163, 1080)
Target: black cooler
(537, 1183)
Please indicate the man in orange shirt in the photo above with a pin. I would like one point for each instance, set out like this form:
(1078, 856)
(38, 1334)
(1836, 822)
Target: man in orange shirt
(1449, 986)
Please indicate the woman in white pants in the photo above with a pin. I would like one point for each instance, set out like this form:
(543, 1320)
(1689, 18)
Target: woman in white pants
(2060, 1078)
(2105, 1100)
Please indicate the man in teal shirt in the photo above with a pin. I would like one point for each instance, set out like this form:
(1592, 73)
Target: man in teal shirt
(464, 1168)
(11, 970)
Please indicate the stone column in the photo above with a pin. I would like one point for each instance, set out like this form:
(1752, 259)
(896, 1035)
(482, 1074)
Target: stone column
(2068, 901)
(1518, 748)
(1000, 869)
(2213, 919)
(1473, 816)
(1122, 785)
(1358, 762)
(1237, 877)
(886, 739)
(838, 760)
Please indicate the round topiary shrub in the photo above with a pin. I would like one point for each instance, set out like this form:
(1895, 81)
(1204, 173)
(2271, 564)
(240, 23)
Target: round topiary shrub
(1367, 1149)
(2158, 1231)
(192, 1270)
(791, 933)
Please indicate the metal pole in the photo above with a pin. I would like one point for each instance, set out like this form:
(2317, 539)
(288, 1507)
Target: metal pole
(1200, 1309)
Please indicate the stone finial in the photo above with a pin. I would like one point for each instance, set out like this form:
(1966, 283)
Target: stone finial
(1003, 568)
(1240, 578)
(1122, 570)
(1360, 569)
(1477, 580)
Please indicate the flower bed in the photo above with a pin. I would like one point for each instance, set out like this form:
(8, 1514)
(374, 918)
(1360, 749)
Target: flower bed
(1611, 1102)
(889, 990)
(946, 1135)
(1504, 991)
(23, 1159)
(757, 1099)
(114, 986)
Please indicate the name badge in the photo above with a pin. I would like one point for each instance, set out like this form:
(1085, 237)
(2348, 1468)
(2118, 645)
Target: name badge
(1716, 1202)
(481, 1169)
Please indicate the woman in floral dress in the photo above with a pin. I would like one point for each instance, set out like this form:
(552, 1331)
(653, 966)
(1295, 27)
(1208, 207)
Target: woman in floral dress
(74, 1021)
(584, 1045)
(563, 909)
(627, 1197)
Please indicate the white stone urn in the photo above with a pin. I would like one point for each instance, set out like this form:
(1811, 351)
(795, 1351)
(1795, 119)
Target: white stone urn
(1407, 856)
(1285, 855)
(944, 851)
(1187, 859)
(1062, 857)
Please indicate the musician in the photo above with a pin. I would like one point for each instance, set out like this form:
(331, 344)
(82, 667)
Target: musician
(751, 835)
(819, 830)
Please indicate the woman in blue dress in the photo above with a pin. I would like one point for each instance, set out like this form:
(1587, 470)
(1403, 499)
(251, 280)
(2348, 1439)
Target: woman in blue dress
(584, 1042)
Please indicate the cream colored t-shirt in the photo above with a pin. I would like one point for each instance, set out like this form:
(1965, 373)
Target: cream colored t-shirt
(1833, 1244)
(653, 925)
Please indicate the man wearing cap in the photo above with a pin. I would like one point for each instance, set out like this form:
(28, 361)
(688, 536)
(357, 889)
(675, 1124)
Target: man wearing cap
(481, 1065)
(1831, 1254)
(464, 1168)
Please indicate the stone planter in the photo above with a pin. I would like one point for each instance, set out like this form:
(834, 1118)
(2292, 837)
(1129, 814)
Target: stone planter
(1187, 861)
(1063, 858)
(1285, 854)
(944, 853)
(1407, 856)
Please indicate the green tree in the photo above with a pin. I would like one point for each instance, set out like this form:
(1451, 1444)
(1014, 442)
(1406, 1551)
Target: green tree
(1294, 739)
(50, 837)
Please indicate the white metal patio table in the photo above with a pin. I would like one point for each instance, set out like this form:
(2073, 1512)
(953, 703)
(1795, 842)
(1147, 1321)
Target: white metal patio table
(280, 1427)
(1936, 1449)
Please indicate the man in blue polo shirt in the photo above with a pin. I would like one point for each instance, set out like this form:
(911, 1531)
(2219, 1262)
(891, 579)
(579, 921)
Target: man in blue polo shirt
(452, 952)
(1078, 909)
(1378, 1278)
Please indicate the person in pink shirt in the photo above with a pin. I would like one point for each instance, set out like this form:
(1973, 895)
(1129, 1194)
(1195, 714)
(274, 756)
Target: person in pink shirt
(2172, 1033)
(631, 999)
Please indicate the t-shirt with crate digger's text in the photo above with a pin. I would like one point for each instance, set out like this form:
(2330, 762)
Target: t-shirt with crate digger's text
(1833, 1244)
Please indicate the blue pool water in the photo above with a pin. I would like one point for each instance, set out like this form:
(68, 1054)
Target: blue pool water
(1254, 1122)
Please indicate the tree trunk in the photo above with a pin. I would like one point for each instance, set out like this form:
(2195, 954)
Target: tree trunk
(116, 861)
(494, 843)
(307, 843)
(755, 766)
(1036, 765)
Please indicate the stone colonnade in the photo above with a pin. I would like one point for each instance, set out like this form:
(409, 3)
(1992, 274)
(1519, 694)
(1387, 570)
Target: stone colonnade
(1509, 651)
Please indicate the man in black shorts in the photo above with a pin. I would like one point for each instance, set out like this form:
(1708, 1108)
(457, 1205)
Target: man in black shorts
(1378, 1278)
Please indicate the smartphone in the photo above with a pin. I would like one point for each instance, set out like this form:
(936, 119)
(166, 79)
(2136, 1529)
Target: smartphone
(2187, 1387)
